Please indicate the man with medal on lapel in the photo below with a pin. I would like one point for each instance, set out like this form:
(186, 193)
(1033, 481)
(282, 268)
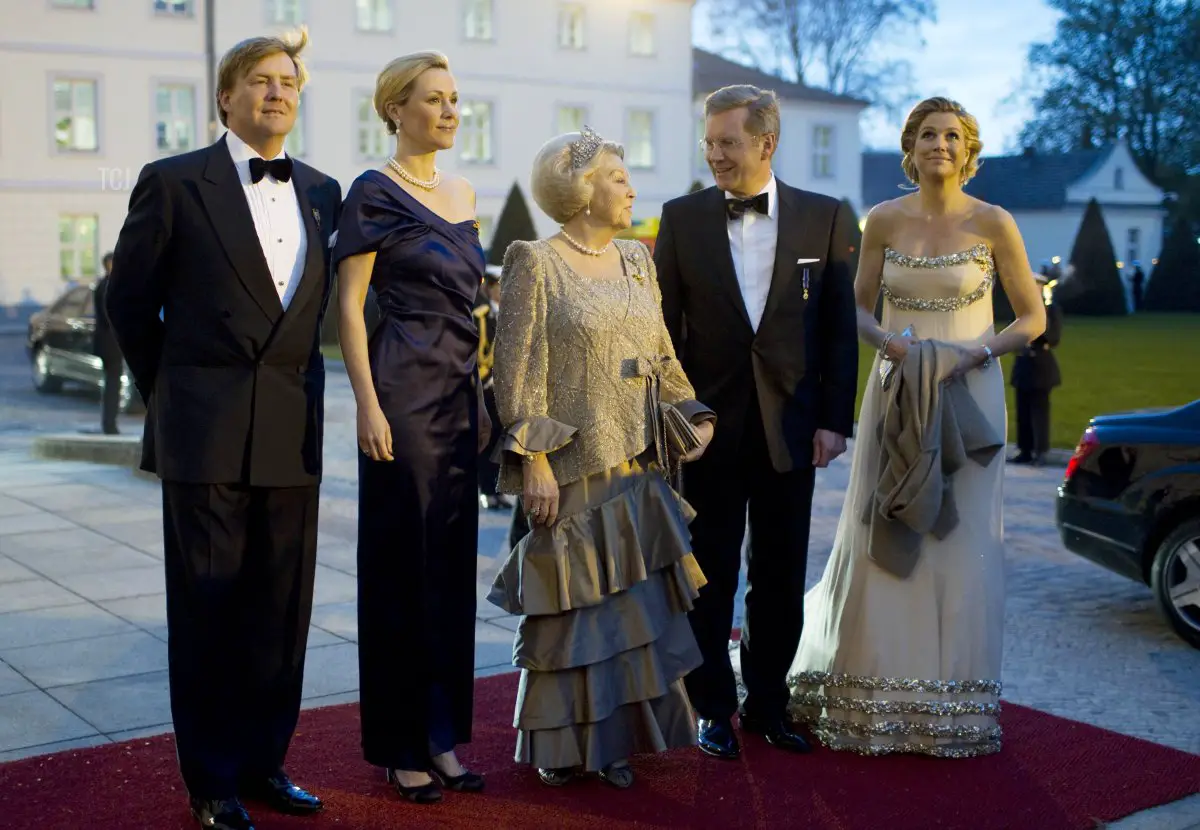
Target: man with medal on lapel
(758, 297)
(230, 243)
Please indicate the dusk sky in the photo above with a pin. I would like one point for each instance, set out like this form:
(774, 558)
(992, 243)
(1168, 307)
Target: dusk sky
(974, 53)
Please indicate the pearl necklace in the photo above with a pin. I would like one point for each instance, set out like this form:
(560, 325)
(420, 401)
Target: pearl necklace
(583, 249)
(413, 180)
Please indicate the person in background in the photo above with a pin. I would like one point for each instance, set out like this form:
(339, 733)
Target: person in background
(1035, 373)
(1139, 282)
(105, 347)
(487, 308)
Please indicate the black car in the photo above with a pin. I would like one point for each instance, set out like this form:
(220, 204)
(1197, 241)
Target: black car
(61, 349)
(1130, 501)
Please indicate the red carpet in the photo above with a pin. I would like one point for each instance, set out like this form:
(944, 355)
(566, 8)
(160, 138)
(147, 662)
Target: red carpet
(1053, 773)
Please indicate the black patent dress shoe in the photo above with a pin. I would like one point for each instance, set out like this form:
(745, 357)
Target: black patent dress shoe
(1021, 458)
(221, 814)
(281, 795)
(716, 738)
(777, 732)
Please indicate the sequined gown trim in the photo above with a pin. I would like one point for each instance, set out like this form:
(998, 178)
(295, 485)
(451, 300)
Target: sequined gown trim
(882, 715)
(979, 254)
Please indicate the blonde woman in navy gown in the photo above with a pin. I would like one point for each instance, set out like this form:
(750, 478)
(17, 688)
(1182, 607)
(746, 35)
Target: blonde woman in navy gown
(409, 232)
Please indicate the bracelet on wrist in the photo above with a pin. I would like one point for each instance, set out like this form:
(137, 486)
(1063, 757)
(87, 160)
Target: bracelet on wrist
(887, 338)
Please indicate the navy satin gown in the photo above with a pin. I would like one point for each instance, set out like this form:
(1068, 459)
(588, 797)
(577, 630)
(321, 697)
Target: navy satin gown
(418, 515)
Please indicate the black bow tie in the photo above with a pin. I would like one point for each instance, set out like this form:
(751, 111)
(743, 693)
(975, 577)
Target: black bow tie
(736, 208)
(280, 169)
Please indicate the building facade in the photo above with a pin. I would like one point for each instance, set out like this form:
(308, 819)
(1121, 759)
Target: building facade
(94, 89)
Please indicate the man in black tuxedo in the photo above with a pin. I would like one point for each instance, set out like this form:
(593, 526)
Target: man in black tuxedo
(758, 297)
(105, 347)
(231, 244)
(1035, 373)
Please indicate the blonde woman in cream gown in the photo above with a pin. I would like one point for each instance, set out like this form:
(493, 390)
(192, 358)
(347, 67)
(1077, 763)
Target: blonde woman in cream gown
(889, 664)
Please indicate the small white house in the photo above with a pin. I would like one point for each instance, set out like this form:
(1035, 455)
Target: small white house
(1047, 194)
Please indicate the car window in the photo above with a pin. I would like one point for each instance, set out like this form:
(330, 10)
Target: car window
(73, 303)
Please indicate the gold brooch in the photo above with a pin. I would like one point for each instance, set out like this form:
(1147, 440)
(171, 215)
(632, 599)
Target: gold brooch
(638, 275)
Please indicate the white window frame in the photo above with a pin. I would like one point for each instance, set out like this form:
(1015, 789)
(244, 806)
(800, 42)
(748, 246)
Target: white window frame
(285, 12)
(54, 112)
(299, 131)
(367, 14)
(572, 26)
(1133, 244)
(824, 159)
(174, 8)
(560, 109)
(368, 124)
(631, 147)
(74, 5)
(643, 24)
(192, 115)
(76, 248)
(487, 229)
(468, 131)
(479, 20)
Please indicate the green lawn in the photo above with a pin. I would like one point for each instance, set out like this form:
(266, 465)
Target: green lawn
(1111, 364)
(1108, 364)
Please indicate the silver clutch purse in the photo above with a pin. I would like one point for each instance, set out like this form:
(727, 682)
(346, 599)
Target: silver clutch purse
(680, 434)
(887, 368)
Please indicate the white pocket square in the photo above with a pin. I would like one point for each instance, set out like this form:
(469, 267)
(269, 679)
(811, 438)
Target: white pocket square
(333, 239)
(803, 261)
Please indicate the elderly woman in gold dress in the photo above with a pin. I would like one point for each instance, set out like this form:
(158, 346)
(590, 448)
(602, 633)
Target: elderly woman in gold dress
(588, 388)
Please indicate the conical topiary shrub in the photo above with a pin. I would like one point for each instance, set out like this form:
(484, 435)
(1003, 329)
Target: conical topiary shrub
(1095, 287)
(1174, 284)
(515, 224)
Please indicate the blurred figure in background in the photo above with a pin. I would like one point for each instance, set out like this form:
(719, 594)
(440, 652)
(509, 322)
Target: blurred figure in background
(1035, 373)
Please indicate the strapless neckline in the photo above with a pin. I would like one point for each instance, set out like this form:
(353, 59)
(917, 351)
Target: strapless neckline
(978, 251)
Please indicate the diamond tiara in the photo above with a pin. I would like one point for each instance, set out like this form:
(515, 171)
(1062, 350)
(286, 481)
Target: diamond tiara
(585, 148)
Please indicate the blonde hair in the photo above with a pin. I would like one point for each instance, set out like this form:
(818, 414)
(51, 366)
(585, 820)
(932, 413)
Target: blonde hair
(241, 59)
(908, 136)
(395, 82)
(762, 107)
(560, 189)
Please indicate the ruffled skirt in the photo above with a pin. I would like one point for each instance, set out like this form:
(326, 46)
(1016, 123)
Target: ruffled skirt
(604, 640)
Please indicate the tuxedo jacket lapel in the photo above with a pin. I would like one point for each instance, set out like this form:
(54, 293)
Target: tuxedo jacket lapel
(713, 225)
(314, 260)
(226, 205)
(796, 238)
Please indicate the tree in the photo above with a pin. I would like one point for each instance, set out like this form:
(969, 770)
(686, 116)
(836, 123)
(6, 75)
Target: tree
(832, 44)
(696, 187)
(1095, 287)
(1123, 70)
(1175, 283)
(515, 224)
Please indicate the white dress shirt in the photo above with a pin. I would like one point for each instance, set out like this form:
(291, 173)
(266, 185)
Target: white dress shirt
(277, 220)
(752, 242)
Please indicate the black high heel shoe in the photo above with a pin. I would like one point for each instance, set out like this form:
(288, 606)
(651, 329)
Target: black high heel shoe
(468, 782)
(429, 793)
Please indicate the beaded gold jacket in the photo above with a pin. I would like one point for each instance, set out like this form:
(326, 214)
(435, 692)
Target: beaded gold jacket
(574, 359)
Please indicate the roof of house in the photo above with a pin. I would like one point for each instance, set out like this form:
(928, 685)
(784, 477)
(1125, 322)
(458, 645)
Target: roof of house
(711, 72)
(1030, 181)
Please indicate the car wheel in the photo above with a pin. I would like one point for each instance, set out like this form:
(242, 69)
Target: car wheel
(1175, 578)
(43, 380)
